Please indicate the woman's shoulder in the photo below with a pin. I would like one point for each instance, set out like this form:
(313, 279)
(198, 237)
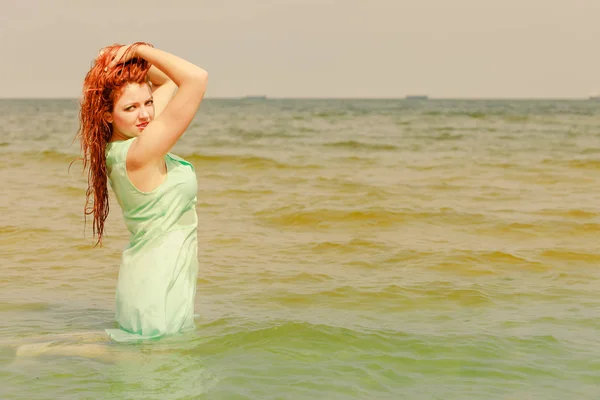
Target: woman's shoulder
(116, 151)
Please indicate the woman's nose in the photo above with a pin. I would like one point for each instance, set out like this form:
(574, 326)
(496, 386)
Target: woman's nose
(144, 113)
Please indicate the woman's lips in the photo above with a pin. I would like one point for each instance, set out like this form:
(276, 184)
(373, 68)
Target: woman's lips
(142, 126)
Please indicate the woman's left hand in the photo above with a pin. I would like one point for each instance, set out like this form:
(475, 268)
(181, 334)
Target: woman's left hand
(124, 54)
(111, 50)
(118, 55)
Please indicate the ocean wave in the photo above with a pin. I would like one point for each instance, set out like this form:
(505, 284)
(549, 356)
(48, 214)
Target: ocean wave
(444, 136)
(299, 278)
(470, 114)
(390, 297)
(354, 159)
(576, 164)
(345, 186)
(569, 213)
(590, 151)
(356, 145)
(547, 227)
(246, 161)
(516, 118)
(502, 228)
(51, 156)
(235, 193)
(478, 263)
(459, 260)
(301, 339)
(329, 114)
(286, 216)
(504, 165)
(354, 245)
(585, 164)
(375, 217)
(14, 229)
(259, 134)
(25, 307)
(571, 255)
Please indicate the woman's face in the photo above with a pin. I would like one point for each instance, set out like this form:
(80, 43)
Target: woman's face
(133, 110)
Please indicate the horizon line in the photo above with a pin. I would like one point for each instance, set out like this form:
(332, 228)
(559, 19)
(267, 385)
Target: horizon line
(266, 97)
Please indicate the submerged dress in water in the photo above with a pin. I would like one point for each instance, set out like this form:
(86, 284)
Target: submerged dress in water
(157, 278)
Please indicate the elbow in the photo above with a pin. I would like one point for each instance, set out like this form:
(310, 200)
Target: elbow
(200, 76)
(196, 79)
(200, 80)
(204, 76)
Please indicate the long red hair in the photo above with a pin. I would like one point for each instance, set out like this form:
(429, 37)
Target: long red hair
(101, 89)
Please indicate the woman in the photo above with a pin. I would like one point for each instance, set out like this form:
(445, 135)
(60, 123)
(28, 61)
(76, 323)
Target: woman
(130, 119)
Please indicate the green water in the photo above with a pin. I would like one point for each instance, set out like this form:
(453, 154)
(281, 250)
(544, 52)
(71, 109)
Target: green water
(349, 249)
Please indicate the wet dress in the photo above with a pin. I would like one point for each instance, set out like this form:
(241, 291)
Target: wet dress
(159, 268)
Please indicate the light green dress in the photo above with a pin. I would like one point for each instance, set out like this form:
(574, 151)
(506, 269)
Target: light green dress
(159, 268)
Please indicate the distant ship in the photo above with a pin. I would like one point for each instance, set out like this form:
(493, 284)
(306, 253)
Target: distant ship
(417, 97)
(256, 97)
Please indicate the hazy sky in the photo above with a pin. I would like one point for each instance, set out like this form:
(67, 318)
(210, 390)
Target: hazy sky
(310, 48)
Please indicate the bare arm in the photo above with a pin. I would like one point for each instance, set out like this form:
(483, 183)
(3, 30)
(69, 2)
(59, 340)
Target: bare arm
(163, 89)
(163, 132)
(157, 77)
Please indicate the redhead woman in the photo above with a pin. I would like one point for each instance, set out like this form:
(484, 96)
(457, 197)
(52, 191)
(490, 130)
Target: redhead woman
(137, 102)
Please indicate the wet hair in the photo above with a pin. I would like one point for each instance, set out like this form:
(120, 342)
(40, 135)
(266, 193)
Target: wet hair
(102, 87)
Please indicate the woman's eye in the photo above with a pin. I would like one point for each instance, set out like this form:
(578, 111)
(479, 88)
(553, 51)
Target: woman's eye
(129, 108)
(150, 102)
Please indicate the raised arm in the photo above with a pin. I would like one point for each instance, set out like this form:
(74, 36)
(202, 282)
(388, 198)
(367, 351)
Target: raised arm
(163, 132)
(163, 89)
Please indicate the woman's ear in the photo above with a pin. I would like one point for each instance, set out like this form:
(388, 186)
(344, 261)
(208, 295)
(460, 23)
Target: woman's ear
(108, 117)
